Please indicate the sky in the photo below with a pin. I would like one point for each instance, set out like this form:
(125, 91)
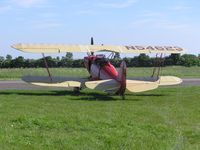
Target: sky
(119, 22)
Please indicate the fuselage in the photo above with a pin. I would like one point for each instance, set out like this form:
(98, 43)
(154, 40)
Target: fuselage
(100, 68)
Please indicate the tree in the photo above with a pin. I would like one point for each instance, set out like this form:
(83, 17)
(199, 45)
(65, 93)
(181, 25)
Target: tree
(128, 61)
(78, 63)
(69, 55)
(1, 61)
(189, 60)
(51, 61)
(117, 56)
(144, 60)
(65, 62)
(8, 57)
(7, 62)
(30, 63)
(173, 59)
(17, 62)
(116, 62)
(58, 58)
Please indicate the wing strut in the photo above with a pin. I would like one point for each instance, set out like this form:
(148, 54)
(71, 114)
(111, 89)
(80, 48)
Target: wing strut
(155, 65)
(47, 67)
(111, 55)
(158, 65)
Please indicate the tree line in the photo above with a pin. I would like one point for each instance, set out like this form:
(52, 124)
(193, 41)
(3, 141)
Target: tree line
(142, 60)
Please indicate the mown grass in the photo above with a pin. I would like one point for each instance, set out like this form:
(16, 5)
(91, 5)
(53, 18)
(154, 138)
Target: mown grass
(184, 72)
(166, 118)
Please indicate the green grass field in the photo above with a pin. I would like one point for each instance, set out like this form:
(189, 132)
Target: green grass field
(184, 72)
(163, 119)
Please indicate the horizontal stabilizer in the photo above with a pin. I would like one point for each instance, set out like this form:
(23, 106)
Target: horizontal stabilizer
(104, 85)
(169, 80)
(140, 86)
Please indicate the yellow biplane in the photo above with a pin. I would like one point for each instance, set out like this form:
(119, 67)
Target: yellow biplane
(102, 74)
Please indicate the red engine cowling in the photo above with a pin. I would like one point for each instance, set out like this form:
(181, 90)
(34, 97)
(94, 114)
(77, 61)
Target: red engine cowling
(100, 68)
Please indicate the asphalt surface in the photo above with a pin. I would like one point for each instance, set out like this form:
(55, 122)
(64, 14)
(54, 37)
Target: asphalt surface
(21, 85)
(191, 82)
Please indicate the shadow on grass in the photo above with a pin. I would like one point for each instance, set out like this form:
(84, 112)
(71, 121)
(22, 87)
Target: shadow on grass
(151, 95)
(89, 96)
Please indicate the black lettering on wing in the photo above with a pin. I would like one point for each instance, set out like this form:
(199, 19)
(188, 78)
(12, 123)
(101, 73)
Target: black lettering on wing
(169, 48)
(150, 48)
(130, 47)
(140, 47)
(178, 48)
(160, 48)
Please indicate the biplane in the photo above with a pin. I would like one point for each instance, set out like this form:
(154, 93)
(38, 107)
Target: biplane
(102, 74)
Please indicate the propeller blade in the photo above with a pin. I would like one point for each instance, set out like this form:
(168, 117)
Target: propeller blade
(92, 41)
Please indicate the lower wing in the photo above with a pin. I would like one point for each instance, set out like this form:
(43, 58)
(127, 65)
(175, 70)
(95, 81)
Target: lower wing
(169, 80)
(133, 85)
(140, 86)
(150, 83)
(112, 85)
(162, 80)
(55, 81)
(109, 85)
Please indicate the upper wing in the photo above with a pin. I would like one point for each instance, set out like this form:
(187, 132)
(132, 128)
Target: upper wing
(52, 48)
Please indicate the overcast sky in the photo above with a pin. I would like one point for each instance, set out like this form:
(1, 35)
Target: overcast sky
(120, 22)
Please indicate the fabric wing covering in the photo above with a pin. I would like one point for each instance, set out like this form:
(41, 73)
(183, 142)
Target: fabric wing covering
(59, 48)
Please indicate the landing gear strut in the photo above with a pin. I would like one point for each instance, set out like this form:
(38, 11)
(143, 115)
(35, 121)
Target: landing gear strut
(123, 96)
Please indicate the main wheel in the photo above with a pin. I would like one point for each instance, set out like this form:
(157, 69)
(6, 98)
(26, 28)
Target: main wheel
(123, 96)
(76, 90)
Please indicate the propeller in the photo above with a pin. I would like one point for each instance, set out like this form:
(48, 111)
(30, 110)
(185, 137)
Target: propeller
(92, 41)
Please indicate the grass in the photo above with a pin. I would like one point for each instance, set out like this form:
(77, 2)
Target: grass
(184, 72)
(13, 74)
(166, 118)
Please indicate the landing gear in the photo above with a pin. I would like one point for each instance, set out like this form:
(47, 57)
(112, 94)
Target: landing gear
(123, 96)
(76, 90)
(121, 92)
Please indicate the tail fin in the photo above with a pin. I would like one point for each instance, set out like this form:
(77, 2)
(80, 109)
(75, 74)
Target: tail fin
(122, 78)
(122, 72)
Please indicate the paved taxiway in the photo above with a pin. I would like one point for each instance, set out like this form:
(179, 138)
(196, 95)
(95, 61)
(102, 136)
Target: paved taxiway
(21, 85)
